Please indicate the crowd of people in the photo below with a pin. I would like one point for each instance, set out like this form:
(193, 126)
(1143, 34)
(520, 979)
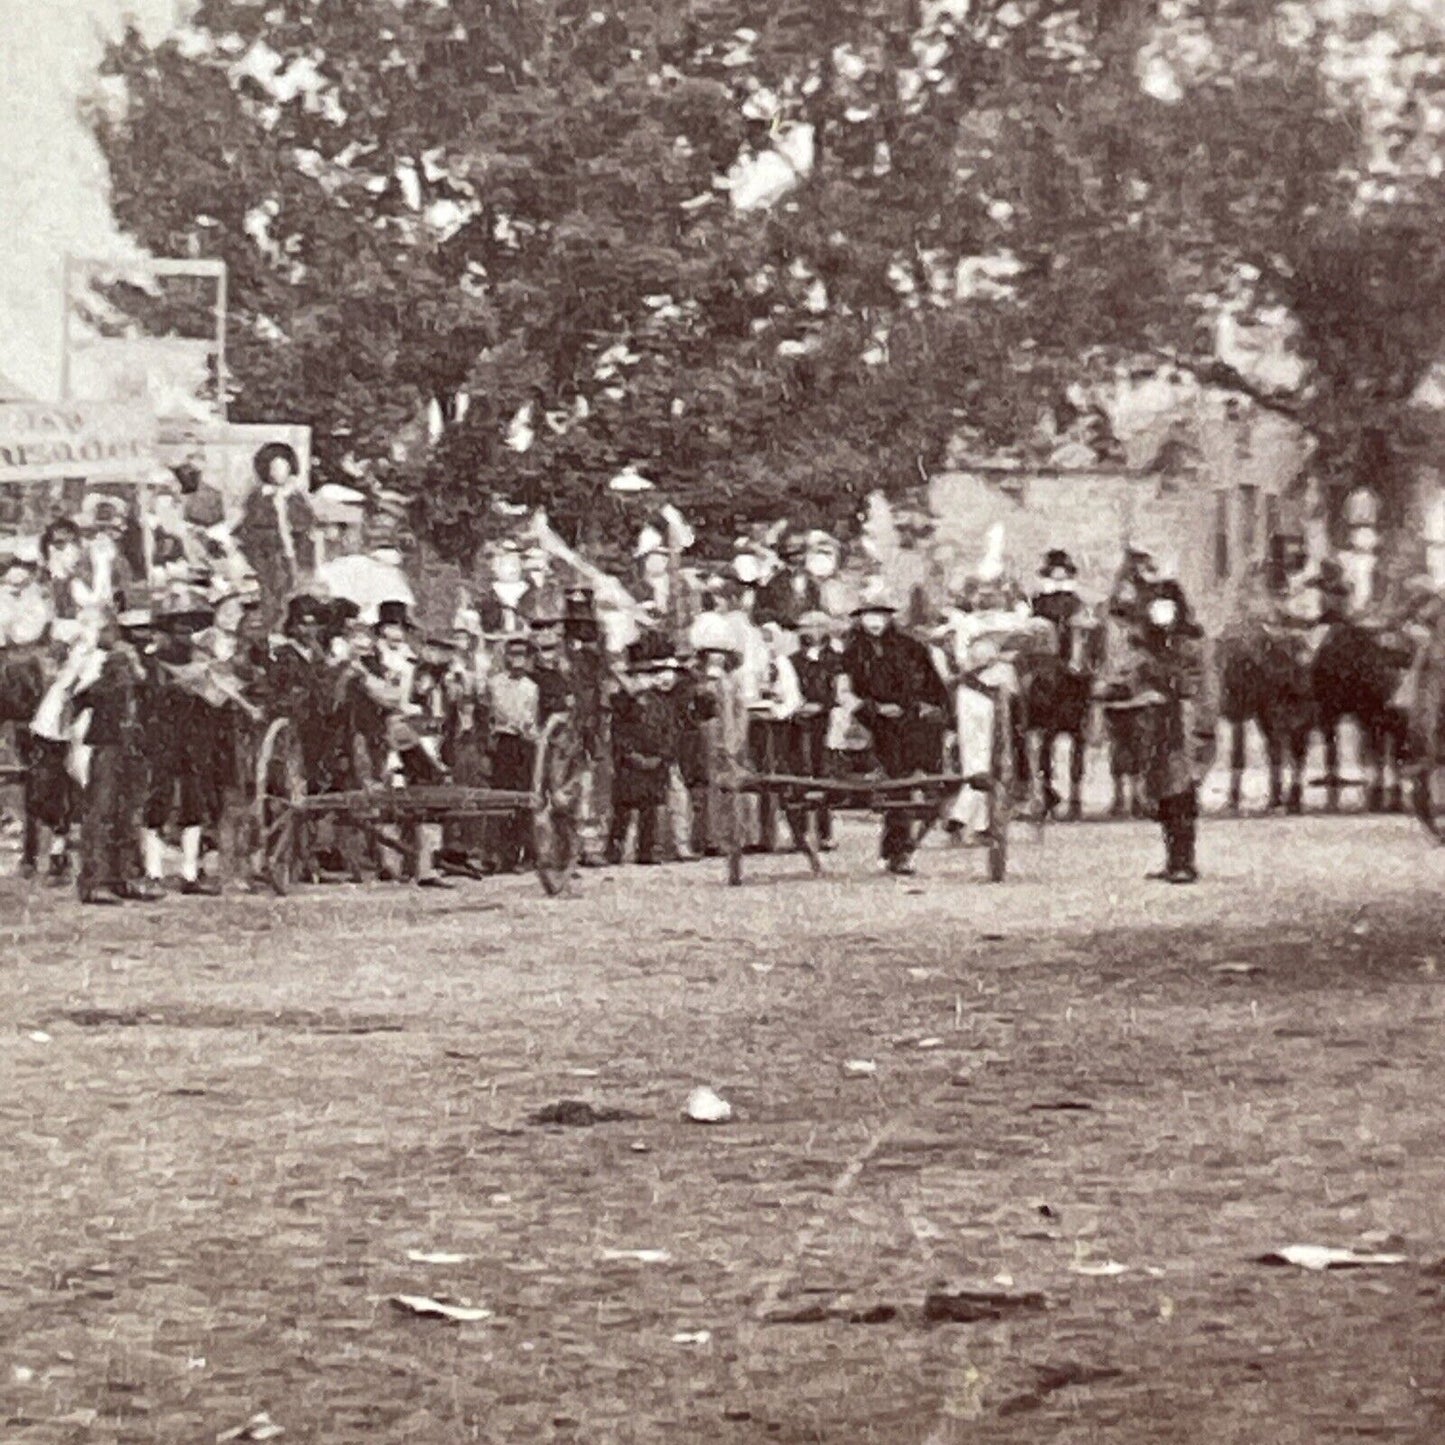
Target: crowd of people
(139, 706)
(139, 703)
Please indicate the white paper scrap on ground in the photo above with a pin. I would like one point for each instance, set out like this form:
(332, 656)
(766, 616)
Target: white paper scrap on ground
(860, 1068)
(421, 1256)
(640, 1256)
(440, 1308)
(258, 1427)
(706, 1107)
(1320, 1256)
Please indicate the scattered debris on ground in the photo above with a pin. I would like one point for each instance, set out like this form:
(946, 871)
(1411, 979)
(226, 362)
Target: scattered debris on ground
(457, 1311)
(705, 1106)
(1322, 1257)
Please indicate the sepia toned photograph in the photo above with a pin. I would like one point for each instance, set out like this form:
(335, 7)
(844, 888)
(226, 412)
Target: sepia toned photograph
(722, 721)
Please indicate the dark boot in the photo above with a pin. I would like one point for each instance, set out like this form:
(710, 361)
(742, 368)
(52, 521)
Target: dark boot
(1169, 825)
(1185, 869)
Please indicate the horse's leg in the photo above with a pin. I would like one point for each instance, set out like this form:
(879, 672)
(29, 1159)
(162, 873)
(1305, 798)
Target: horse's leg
(1236, 762)
(1047, 738)
(1119, 806)
(1076, 772)
(1371, 747)
(1330, 732)
(1398, 739)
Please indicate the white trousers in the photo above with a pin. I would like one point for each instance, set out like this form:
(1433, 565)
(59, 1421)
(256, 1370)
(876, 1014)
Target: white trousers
(975, 755)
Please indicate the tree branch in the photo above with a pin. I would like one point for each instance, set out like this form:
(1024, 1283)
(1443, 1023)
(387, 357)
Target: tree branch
(1213, 372)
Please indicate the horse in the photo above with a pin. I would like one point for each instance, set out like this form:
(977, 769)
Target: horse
(1426, 713)
(1356, 674)
(1263, 679)
(1056, 693)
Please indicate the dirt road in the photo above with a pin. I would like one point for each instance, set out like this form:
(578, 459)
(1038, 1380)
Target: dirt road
(229, 1124)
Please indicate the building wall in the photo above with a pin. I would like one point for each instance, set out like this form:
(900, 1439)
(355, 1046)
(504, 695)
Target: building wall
(1212, 533)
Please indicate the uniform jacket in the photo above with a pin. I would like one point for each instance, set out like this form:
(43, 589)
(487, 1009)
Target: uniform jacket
(1178, 675)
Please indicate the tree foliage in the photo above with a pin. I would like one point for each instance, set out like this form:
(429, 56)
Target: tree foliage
(511, 210)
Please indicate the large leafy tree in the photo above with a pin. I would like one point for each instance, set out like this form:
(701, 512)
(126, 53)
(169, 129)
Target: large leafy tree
(510, 213)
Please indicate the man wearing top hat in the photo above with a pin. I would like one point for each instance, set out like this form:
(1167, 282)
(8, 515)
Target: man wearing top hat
(1057, 598)
(902, 701)
(110, 572)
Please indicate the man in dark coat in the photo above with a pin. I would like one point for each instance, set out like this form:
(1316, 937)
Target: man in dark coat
(1177, 684)
(115, 787)
(1057, 599)
(903, 702)
(276, 533)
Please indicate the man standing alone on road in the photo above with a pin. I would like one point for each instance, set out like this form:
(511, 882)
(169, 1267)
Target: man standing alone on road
(1178, 684)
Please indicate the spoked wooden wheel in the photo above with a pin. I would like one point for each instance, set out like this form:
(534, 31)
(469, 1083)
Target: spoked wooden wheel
(558, 780)
(280, 792)
(1001, 788)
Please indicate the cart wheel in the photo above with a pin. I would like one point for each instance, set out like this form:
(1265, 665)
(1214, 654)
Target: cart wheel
(557, 781)
(1001, 789)
(280, 791)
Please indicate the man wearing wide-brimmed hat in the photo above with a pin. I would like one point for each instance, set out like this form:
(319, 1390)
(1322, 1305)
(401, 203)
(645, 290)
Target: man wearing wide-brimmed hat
(277, 526)
(902, 703)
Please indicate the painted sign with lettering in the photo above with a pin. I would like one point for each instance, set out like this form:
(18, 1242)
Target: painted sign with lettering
(42, 442)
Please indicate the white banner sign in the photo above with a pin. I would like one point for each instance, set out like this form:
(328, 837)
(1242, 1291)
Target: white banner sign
(42, 442)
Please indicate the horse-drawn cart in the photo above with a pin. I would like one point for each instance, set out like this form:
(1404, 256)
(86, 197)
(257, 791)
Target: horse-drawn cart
(284, 814)
(922, 799)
